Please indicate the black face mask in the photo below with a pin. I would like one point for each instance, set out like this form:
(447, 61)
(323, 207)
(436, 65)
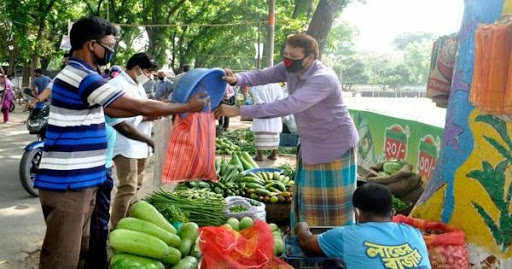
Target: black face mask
(161, 78)
(292, 65)
(107, 57)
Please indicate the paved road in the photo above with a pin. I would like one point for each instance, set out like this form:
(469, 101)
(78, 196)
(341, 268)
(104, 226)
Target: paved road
(21, 220)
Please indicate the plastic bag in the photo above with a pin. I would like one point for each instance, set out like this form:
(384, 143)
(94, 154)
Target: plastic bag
(445, 244)
(162, 133)
(191, 150)
(441, 69)
(256, 209)
(252, 247)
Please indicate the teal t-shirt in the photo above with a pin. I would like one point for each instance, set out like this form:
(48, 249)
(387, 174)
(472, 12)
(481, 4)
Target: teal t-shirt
(376, 245)
(111, 138)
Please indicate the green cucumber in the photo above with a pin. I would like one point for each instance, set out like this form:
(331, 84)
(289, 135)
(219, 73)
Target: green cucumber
(145, 211)
(203, 184)
(174, 256)
(188, 262)
(139, 244)
(246, 164)
(249, 159)
(188, 233)
(129, 261)
(149, 228)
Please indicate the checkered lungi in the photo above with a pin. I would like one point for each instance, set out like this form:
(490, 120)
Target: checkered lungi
(323, 192)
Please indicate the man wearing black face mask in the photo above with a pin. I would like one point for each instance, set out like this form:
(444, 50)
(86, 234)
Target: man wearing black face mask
(73, 162)
(163, 87)
(326, 172)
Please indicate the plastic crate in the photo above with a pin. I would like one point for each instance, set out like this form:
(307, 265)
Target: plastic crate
(295, 256)
(288, 140)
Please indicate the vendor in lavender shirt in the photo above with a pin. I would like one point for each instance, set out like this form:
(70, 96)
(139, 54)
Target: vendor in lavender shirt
(326, 168)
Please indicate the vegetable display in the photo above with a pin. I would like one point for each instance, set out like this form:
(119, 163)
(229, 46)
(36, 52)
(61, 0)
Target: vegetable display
(268, 187)
(244, 139)
(199, 206)
(225, 146)
(391, 167)
(145, 240)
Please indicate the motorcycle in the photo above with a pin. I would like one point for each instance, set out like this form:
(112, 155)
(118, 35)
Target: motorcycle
(37, 123)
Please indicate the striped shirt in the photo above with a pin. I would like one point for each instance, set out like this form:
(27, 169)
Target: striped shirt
(76, 141)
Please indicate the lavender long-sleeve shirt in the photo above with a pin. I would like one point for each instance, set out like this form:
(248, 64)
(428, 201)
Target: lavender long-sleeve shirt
(325, 127)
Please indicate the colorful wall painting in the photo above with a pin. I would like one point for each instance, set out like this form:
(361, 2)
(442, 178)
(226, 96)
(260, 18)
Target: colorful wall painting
(471, 186)
(383, 137)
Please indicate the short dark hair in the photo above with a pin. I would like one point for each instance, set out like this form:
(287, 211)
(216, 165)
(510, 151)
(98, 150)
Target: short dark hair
(373, 200)
(306, 42)
(90, 28)
(143, 60)
(186, 67)
(38, 71)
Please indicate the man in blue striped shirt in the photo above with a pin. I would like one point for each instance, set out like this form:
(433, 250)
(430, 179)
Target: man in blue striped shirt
(73, 162)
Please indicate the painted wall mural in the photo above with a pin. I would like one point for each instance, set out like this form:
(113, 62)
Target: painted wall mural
(383, 137)
(471, 186)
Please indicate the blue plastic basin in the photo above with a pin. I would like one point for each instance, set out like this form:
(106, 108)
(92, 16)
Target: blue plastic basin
(200, 80)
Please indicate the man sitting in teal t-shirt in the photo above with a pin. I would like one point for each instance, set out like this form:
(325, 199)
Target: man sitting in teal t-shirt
(375, 241)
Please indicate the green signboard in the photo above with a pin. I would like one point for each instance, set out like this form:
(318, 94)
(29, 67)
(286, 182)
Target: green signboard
(383, 137)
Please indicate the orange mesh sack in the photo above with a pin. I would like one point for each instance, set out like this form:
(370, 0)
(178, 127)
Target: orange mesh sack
(224, 248)
(445, 244)
(191, 149)
(490, 89)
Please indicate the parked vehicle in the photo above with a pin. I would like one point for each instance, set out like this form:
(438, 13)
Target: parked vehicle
(37, 123)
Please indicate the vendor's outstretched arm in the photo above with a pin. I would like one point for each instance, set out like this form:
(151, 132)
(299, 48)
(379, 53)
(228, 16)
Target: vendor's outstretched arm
(313, 91)
(308, 241)
(274, 74)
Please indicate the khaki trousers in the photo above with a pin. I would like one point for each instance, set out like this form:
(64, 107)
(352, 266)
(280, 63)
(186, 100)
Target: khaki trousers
(130, 173)
(67, 215)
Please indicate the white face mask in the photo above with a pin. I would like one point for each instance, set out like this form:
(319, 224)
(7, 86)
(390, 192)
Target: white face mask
(2, 88)
(141, 78)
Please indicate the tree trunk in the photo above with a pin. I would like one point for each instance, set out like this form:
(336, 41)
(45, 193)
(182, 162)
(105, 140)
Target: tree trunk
(42, 25)
(322, 21)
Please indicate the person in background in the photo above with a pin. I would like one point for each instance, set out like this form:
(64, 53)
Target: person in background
(40, 82)
(115, 71)
(228, 99)
(44, 95)
(71, 169)
(326, 167)
(266, 131)
(149, 86)
(65, 60)
(7, 96)
(370, 242)
(130, 156)
(163, 87)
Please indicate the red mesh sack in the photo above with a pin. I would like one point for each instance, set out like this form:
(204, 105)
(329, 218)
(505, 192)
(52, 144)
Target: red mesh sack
(445, 244)
(224, 248)
(191, 149)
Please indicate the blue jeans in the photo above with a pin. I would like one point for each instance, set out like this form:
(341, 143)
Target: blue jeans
(97, 256)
